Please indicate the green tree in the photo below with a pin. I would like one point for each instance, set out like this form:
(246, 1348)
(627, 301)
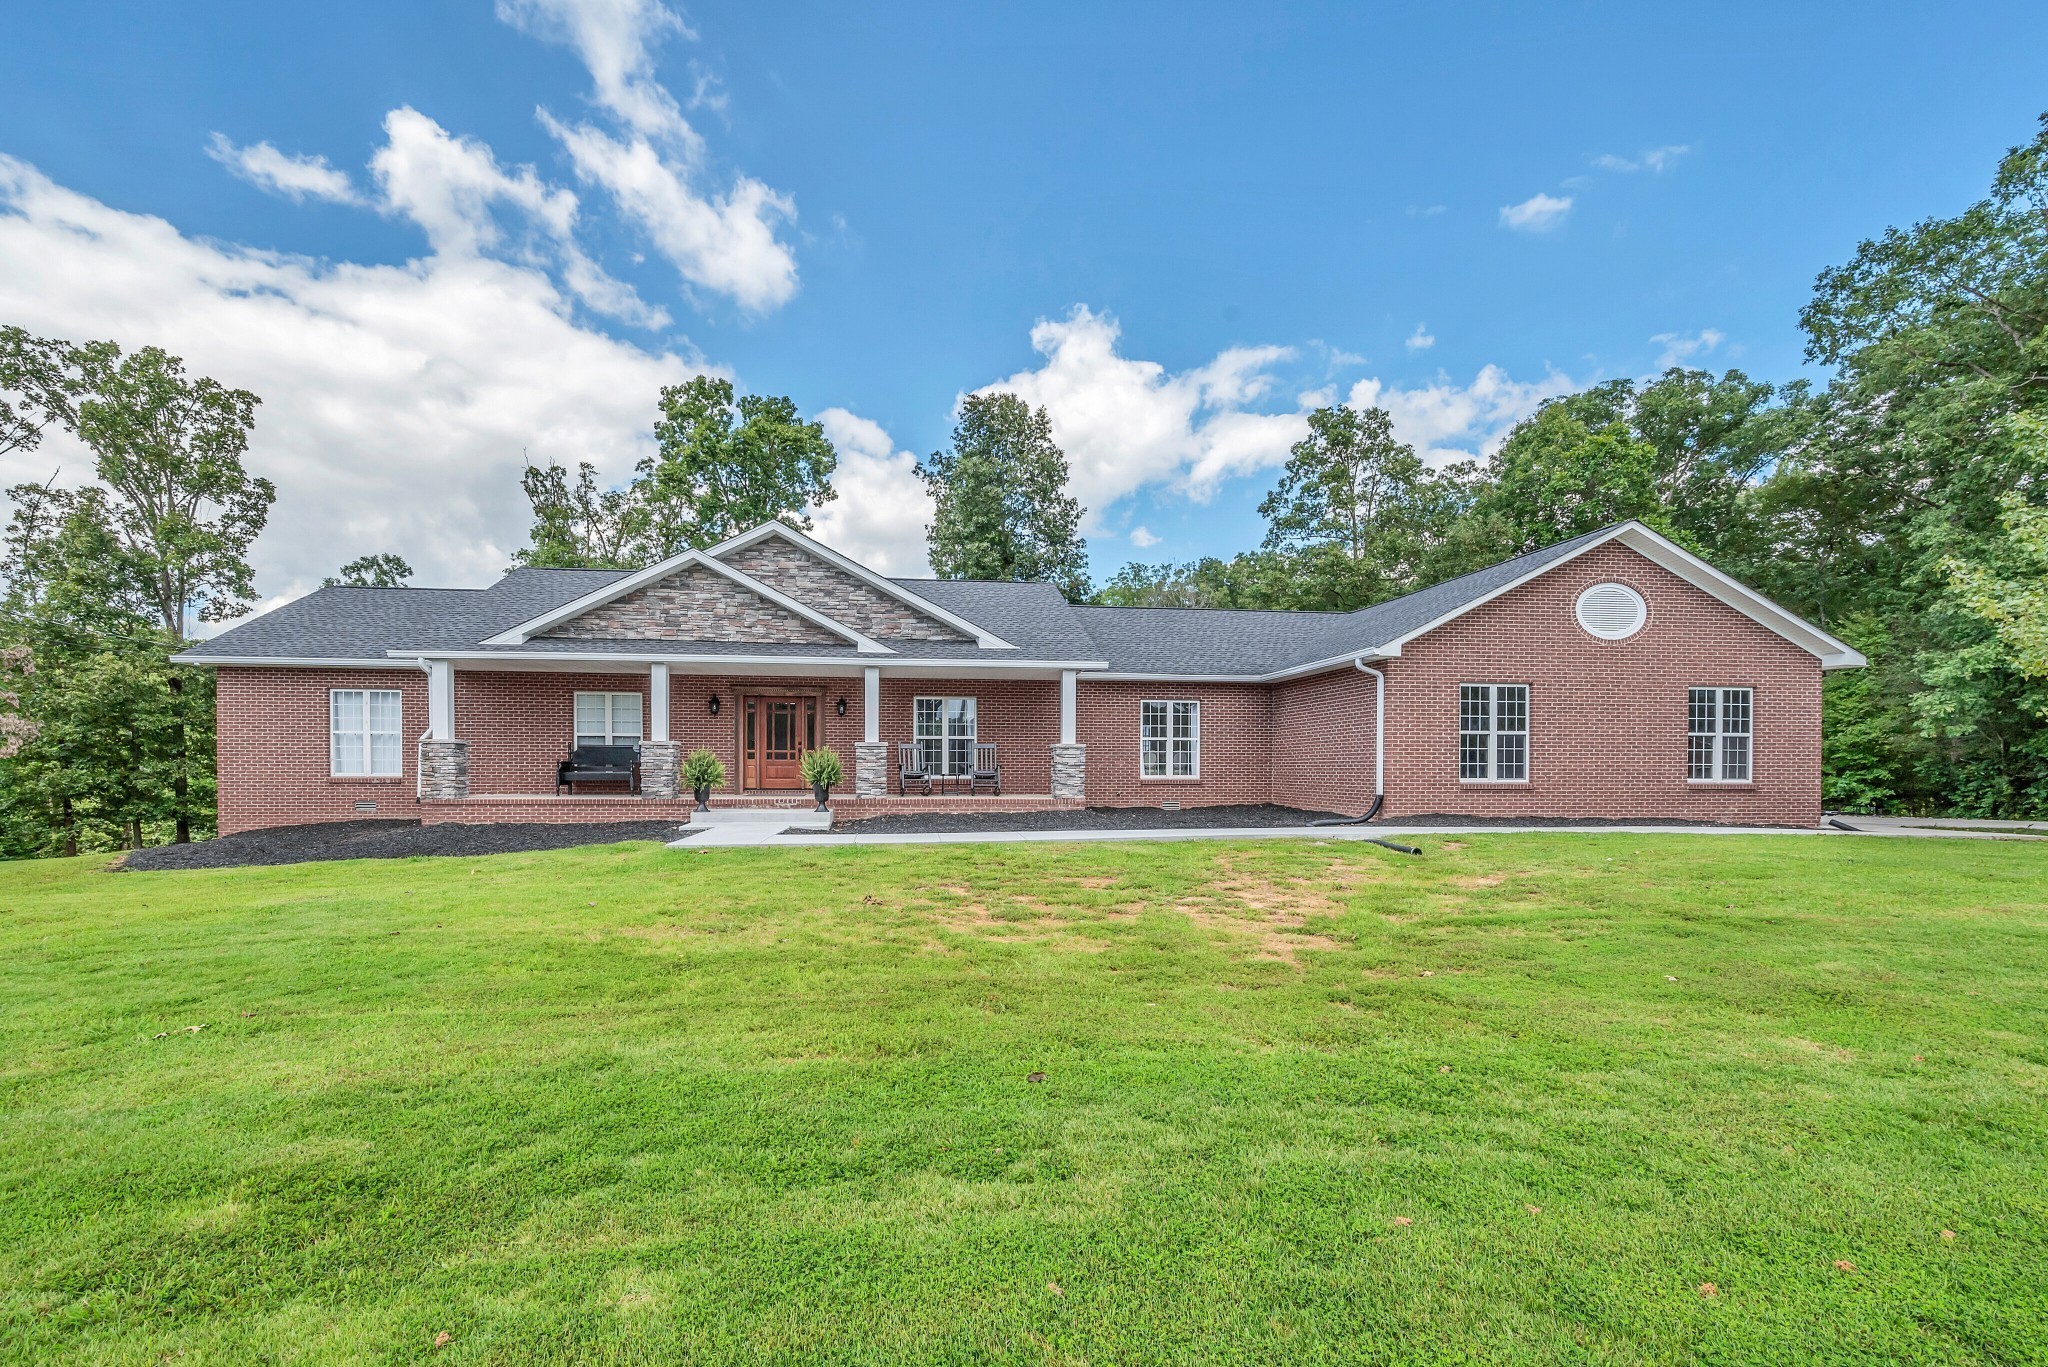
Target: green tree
(382, 571)
(1003, 510)
(169, 450)
(39, 384)
(581, 526)
(724, 466)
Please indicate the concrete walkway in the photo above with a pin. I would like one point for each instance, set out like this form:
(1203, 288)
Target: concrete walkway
(724, 829)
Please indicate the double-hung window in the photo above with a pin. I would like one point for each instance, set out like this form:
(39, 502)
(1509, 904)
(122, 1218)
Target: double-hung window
(364, 732)
(945, 734)
(607, 718)
(1170, 739)
(1717, 735)
(1493, 732)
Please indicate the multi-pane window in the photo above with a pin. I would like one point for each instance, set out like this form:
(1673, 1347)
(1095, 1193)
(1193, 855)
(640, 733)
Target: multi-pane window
(945, 733)
(1170, 739)
(607, 718)
(1717, 735)
(364, 732)
(1493, 732)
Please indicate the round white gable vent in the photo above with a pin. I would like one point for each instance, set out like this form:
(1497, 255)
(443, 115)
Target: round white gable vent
(1612, 611)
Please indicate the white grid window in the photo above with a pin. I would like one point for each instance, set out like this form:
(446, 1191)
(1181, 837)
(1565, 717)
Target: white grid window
(1717, 735)
(1493, 732)
(946, 730)
(1170, 739)
(364, 732)
(607, 718)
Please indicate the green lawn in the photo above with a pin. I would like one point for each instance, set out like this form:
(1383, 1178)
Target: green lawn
(1517, 1100)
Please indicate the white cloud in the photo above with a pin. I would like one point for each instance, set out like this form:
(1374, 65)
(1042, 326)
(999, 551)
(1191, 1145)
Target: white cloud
(616, 40)
(1420, 339)
(880, 515)
(1142, 538)
(1679, 348)
(295, 177)
(1446, 421)
(1125, 423)
(453, 188)
(1655, 160)
(1536, 214)
(724, 241)
(398, 400)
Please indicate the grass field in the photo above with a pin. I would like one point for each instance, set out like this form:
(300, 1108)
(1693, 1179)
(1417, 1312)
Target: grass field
(1604, 1098)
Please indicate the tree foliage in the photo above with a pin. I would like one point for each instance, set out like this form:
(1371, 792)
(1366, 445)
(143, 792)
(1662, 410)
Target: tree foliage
(1002, 506)
(724, 466)
(380, 571)
(581, 525)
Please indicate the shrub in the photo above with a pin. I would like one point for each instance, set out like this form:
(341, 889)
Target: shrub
(702, 769)
(821, 768)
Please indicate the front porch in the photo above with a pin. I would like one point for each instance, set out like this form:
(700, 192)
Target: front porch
(497, 732)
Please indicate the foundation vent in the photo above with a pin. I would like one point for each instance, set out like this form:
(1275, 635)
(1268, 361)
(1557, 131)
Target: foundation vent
(367, 808)
(1171, 804)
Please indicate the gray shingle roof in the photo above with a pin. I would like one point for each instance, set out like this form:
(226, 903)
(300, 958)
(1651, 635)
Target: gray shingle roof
(365, 624)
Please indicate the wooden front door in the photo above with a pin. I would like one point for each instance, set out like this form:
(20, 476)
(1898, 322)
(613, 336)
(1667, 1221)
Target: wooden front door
(776, 732)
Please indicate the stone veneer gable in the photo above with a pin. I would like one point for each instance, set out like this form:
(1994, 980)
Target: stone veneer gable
(792, 570)
(695, 604)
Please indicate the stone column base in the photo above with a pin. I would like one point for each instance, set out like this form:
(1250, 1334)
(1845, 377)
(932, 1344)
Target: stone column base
(444, 769)
(660, 768)
(1070, 771)
(871, 769)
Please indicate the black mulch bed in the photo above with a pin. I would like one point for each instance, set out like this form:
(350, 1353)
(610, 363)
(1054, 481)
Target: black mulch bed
(1566, 822)
(387, 839)
(1082, 819)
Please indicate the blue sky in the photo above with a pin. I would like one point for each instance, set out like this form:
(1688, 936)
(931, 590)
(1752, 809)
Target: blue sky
(1176, 226)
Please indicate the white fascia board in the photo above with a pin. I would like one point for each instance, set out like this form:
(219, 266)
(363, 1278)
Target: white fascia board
(987, 640)
(584, 660)
(292, 662)
(1276, 676)
(1667, 554)
(619, 588)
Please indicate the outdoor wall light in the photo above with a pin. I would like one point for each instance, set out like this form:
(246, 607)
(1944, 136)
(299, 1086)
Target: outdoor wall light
(714, 704)
(842, 707)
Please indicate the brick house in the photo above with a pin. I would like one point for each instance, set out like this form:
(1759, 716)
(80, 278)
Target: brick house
(1612, 675)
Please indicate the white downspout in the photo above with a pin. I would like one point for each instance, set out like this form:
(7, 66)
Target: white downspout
(1379, 727)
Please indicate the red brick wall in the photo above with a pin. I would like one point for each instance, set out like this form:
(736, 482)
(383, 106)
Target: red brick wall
(1607, 719)
(1236, 754)
(1323, 742)
(1021, 716)
(272, 755)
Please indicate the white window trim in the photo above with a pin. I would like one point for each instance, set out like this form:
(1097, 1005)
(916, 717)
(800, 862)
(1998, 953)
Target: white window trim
(368, 749)
(1195, 774)
(1492, 733)
(946, 736)
(1720, 750)
(608, 695)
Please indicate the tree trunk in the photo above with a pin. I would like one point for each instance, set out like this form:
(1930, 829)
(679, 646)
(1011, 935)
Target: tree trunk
(135, 833)
(68, 826)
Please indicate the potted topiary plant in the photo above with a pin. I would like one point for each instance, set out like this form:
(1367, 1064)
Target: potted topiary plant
(703, 771)
(821, 770)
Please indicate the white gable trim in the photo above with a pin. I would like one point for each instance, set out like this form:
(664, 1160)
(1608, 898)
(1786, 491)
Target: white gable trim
(987, 640)
(619, 588)
(1669, 555)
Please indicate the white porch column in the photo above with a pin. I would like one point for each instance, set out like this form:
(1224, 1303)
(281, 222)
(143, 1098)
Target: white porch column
(871, 756)
(443, 760)
(1069, 756)
(440, 700)
(657, 702)
(1068, 689)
